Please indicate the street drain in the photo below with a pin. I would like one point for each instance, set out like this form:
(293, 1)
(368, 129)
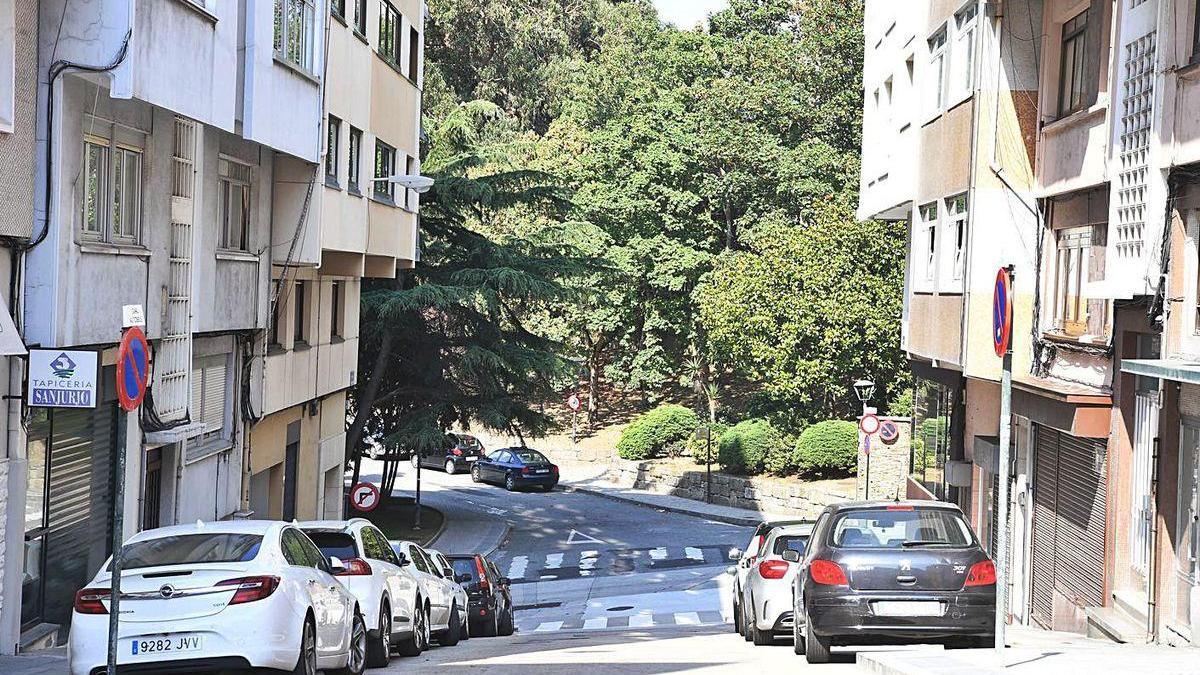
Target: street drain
(620, 608)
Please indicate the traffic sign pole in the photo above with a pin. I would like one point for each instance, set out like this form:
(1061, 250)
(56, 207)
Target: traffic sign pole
(1002, 336)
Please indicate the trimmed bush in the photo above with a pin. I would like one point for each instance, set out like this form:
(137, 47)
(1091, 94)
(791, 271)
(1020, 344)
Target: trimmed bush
(828, 448)
(657, 432)
(697, 446)
(750, 446)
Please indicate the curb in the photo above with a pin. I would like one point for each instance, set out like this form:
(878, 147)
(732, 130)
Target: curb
(441, 528)
(508, 530)
(744, 521)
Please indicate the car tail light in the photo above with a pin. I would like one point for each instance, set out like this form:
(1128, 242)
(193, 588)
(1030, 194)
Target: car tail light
(250, 589)
(827, 573)
(982, 573)
(355, 567)
(457, 452)
(900, 507)
(525, 471)
(554, 469)
(89, 600)
(772, 569)
(484, 586)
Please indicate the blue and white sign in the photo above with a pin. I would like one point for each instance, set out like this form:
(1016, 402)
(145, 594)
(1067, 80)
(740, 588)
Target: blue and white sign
(62, 379)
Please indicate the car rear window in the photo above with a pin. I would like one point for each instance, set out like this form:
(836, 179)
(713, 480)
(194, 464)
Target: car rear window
(469, 442)
(529, 456)
(900, 527)
(794, 542)
(465, 566)
(334, 544)
(187, 549)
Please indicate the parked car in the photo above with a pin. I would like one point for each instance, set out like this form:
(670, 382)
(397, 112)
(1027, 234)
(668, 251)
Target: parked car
(456, 453)
(489, 597)
(516, 468)
(743, 561)
(893, 573)
(392, 598)
(221, 595)
(444, 614)
(767, 594)
(461, 602)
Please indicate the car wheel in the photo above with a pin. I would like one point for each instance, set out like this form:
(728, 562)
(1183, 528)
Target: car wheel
(737, 617)
(356, 660)
(816, 648)
(306, 661)
(453, 632)
(475, 477)
(416, 643)
(379, 650)
(451, 467)
(510, 483)
(466, 625)
(506, 627)
(760, 638)
(797, 638)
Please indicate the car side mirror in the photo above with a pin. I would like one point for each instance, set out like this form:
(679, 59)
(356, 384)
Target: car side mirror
(791, 556)
(336, 566)
(449, 575)
(464, 578)
(731, 570)
(735, 553)
(404, 561)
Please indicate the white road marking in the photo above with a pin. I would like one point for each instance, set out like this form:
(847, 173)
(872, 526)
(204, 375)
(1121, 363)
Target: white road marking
(694, 553)
(548, 627)
(587, 562)
(641, 621)
(659, 553)
(554, 561)
(516, 569)
(598, 622)
(687, 619)
(577, 537)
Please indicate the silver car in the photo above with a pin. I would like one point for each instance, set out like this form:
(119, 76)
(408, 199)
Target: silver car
(767, 588)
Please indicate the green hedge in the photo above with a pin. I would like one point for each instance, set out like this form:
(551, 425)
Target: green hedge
(750, 446)
(696, 447)
(657, 432)
(828, 449)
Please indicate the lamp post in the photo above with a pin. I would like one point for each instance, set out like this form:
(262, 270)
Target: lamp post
(864, 389)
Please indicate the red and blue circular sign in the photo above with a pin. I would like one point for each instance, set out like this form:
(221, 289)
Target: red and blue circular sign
(133, 368)
(889, 433)
(1002, 312)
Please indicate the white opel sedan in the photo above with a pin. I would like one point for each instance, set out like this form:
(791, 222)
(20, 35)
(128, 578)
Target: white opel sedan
(444, 612)
(221, 595)
(395, 604)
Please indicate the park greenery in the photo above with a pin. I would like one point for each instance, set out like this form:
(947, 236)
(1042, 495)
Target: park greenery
(646, 213)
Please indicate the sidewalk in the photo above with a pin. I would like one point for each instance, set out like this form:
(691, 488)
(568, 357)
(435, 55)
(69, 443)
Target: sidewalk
(1036, 651)
(44, 662)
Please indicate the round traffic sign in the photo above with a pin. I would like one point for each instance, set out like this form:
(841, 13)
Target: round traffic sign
(574, 403)
(888, 432)
(869, 424)
(364, 497)
(1002, 312)
(133, 368)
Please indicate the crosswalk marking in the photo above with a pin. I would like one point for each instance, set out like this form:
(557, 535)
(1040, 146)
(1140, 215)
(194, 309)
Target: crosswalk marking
(659, 553)
(641, 621)
(694, 553)
(644, 619)
(597, 622)
(554, 561)
(548, 627)
(516, 569)
(687, 619)
(586, 563)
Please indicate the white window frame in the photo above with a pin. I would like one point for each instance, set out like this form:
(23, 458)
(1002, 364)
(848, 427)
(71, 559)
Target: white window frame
(232, 173)
(930, 227)
(957, 208)
(388, 193)
(962, 58)
(1072, 264)
(113, 199)
(333, 153)
(8, 69)
(302, 55)
(354, 145)
(936, 77)
(204, 367)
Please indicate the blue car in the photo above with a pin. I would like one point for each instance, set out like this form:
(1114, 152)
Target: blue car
(515, 468)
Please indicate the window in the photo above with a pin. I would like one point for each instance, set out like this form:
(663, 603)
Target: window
(414, 54)
(385, 167)
(293, 550)
(1071, 269)
(933, 411)
(355, 160)
(193, 549)
(1071, 86)
(294, 32)
(332, 149)
(929, 221)
(112, 192)
(338, 7)
(937, 71)
(360, 16)
(335, 313)
(389, 33)
(234, 194)
(299, 315)
(893, 528)
(335, 544)
(276, 340)
(1196, 33)
(963, 60)
(956, 211)
(208, 392)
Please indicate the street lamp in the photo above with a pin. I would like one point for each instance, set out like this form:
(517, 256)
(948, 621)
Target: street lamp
(864, 389)
(417, 183)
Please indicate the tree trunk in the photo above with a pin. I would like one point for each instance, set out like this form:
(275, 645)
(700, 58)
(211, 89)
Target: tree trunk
(365, 404)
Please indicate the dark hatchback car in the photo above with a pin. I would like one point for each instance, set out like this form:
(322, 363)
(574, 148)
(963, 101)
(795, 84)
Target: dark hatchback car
(488, 596)
(516, 468)
(893, 573)
(456, 453)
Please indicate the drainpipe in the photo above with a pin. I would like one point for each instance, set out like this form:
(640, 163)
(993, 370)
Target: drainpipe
(1152, 576)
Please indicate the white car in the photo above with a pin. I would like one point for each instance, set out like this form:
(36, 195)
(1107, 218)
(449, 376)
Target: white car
(767, 589)
(444, 612)
(461, 602)
(222, 595)
(393, 600)
(745, 560)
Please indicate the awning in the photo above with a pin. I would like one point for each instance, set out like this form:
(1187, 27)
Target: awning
(1176, 370)
(10, 340)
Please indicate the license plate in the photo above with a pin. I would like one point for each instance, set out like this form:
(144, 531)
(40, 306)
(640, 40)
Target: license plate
(168, 644)
(472, 459)
(541, 471)
(907, 608)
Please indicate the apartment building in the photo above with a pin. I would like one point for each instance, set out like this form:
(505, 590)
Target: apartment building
(364, 226)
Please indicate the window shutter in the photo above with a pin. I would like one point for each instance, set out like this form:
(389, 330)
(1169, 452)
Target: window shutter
(196, 409)
(1093, 55)
(214, 395)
